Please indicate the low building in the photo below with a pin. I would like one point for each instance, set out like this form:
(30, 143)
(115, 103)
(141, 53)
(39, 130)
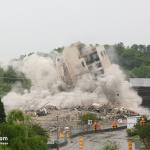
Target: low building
(142, 86)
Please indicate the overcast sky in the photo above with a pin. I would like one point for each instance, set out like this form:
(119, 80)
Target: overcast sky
(42, 25)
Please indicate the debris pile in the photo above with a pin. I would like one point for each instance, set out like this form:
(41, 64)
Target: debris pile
(71, 116)
(42, 111)
(107, 111)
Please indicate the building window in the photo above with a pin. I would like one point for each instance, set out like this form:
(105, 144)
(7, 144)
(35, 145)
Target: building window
(83, 64)
(94, 56)
(98, 65)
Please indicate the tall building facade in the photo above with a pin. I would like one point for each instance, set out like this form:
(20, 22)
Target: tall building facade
(79, 59)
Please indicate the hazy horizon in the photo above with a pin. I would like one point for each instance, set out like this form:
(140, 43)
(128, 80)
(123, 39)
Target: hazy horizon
(34, 25)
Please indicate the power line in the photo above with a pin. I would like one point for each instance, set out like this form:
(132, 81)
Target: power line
(13, 78)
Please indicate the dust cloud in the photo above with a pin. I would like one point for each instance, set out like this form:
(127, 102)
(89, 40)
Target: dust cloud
(112, 88)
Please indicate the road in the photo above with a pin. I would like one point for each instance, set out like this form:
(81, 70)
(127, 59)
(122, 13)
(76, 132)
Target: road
(97, 141)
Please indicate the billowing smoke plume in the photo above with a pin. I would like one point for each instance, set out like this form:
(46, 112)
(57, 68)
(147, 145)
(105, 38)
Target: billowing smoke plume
(113, 88)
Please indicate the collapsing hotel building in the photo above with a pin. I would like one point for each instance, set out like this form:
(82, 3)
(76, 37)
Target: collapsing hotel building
(79, 59)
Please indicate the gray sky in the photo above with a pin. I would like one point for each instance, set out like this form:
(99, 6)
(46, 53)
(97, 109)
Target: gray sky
(41, 25)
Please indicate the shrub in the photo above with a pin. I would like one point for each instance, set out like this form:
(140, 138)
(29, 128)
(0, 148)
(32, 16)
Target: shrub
(111, 146)
(144, 134)
(131, 132)
(22, 135)
(88, 116)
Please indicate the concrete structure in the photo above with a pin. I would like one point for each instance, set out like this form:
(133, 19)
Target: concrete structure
(142, 86)
(140, 82)
(79, 59)
(62, 70)
(132, 121)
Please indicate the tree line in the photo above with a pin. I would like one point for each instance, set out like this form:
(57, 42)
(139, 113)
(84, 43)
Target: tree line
(135, 59)
(20, 132)
(8, 77)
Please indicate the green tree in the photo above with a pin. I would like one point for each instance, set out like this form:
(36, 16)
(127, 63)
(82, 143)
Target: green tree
(142, 71)
(9, 77)
(15, 116)
(88, 116)
(131, 132)
(135, 60)
(144, 134)
(38, 130)
(2, 112)
(135, 46)
(59, 49)
(148, 49)
(111, 146)
(22, 133)
(119, 48)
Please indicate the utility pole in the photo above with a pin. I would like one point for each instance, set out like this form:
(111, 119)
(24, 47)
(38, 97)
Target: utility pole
(57, 134)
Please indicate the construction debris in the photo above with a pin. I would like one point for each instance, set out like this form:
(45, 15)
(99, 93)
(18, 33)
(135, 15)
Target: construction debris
(71, 116)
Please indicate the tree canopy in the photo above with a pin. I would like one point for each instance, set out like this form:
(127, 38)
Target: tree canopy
(144, 133)
(88, 116)
(22, 134)
(9, 77)
(135, 59)
(2, 112)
